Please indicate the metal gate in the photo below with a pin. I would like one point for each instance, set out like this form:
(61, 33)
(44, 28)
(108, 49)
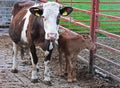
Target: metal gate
(5, 12)
(94, 11)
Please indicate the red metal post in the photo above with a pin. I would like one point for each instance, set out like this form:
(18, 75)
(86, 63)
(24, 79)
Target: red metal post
(97, 11)
(92, 33)
(57, 0)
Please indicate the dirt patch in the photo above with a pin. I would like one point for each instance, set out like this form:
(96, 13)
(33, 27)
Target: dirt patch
(22, 78)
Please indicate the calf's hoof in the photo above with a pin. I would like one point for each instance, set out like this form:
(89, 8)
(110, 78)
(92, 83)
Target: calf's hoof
(14, 70)
(74, 79)
(48, 83)
(34, 80)
(69, 80)
(61, 74)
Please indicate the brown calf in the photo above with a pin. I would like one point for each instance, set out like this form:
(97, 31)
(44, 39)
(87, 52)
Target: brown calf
(71, 43)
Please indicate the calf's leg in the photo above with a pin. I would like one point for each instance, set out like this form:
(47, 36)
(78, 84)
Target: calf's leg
(60, 62)
(74, 67)
(69, 68)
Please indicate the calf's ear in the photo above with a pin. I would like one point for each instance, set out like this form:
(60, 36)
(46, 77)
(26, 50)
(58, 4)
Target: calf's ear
(36, 11)
(66, 11)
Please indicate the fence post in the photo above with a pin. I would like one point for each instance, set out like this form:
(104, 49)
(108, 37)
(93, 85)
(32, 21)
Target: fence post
(92, 34)
(97, 11)
(57, 0)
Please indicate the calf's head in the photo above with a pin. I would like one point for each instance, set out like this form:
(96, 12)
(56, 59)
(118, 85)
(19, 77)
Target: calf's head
(88, 43)
(50, 13)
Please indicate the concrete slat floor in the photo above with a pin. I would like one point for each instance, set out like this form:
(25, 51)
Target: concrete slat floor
(22, 78)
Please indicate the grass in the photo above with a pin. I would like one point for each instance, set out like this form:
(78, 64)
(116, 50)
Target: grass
(113, 27)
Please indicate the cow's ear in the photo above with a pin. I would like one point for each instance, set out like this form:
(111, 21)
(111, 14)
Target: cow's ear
(36, 11)
(66, 11)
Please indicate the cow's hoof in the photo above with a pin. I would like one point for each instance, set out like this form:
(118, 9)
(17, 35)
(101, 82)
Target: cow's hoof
(34, 80)
(14, 70)
(48, 83)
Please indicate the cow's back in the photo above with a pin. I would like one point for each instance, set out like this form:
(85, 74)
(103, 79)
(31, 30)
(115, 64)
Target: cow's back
(17, 21)
(20, 5)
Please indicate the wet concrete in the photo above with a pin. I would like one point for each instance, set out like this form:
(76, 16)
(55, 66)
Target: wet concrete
(23, 78)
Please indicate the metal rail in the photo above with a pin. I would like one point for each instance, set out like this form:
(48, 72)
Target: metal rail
(94, 13)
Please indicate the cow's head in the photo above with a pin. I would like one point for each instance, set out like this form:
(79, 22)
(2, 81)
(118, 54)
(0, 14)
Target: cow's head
(50, 13)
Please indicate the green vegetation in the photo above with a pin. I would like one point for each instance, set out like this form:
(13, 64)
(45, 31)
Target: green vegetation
(110, 26)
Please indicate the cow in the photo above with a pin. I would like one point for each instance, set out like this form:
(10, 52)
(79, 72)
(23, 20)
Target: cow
(70, 44)
(34, 24)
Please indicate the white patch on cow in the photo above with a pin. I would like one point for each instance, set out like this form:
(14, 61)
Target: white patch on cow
(51, 11)
(26, 17)
(23, 34)
(46, 53)
(56, 42)
(11, 17)
(51, 46)
(46, 71)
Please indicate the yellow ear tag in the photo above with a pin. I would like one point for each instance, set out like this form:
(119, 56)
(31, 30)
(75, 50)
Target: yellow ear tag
(65, 13)
(37, 14)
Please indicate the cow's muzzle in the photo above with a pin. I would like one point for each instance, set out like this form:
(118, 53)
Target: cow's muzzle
(52, 36)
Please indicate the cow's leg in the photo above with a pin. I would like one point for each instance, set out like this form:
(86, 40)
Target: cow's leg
(69, 68)
(15, 64)
(34, 60)
(48, 48)
(47, 69)
(22, 53)
(74, 67)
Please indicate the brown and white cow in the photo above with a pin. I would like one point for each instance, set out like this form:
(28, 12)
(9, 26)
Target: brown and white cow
(33, 25)
(71, 43)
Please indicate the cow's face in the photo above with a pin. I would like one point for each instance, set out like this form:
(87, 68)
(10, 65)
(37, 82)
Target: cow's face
(50, 13)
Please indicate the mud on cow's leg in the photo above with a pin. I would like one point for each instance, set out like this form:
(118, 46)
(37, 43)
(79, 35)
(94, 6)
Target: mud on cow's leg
(34, 60)
(15, 63)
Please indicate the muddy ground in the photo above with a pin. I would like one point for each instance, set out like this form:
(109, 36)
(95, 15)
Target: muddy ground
(22, 78)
